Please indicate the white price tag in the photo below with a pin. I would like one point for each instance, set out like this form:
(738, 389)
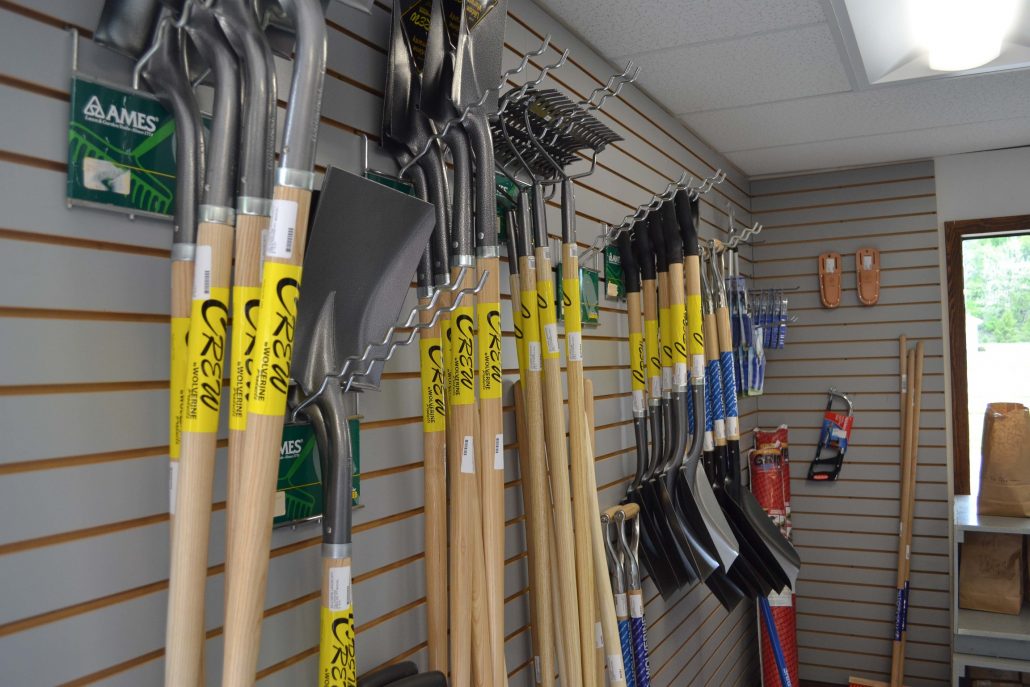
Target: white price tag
(621, 607)
(709, 443)
(536, 670)
(598, 635)
(173, 484)
(667, 378)
(573, 250)
(575, 342)
(656, 387)
(551, 338)
(279, 509)
(697, 367)
(720, 429)
(499, 452)
(732, 427)
(535, 357)
(202, 273)
(468, 456)
(679, 374)
(636, 606)
(264, 244)
(282, 230)
(339, 588)
(638, 400)
(615, 669)
(782, 598)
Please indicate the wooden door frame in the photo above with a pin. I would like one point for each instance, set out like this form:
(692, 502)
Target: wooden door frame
(954, 233)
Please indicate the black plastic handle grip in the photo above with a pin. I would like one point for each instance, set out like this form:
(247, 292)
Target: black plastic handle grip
(388, 675)
(671, 233)
(630, 271)
(688, 227)
(657, 235)
(643, 250)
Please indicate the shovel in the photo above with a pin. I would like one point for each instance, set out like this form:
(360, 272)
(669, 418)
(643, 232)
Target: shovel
(207, 347)
(333, 325)
(280, 286)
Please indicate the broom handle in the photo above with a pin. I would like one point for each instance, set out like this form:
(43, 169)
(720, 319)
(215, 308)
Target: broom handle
(916, 408)
(903, 370)
(578, 654)
(246, 299)
(434, 455)
(209, 316)
(280, 284)
(581, 494)
(897, 659)
(491, 440)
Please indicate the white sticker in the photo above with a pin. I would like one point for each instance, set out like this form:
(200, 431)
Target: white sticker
(598, 635)
(531, 259)
(282, 230)
(535, 361)
(279, 509)
(499, 452)
(339, 588)
(547, 253)
(831, 265)
(615, 669)
(732, 427)
(904, 382)
(468, 456)
(621, 607)
(908, 551)
(656, 387)
(264, 243)
(202, 273)
(536, 670)
(636, 605)
(708, 445)
(173, 484)
(574, 340)
(573, 250)
(638, 400)
(697, 367)
(781, 598)
(551, 338)
(666, 378)
(679, 374)
(719, 428)
(867, 262)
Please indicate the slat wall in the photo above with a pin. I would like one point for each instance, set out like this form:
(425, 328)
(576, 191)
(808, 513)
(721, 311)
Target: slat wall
(846, 530)
(83, 326)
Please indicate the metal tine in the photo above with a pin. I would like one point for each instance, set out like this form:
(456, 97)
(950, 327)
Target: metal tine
(388, 337)
(460, 119)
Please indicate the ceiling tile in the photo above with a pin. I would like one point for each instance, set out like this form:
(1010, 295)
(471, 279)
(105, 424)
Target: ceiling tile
(903, 107)
(786, 64)
(884, 148)
(617, 27)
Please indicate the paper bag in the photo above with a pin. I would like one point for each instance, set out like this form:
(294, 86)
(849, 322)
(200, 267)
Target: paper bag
(990, 576)
(1005, 470)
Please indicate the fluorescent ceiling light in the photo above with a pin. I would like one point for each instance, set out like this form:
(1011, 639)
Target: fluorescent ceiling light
(962, 34)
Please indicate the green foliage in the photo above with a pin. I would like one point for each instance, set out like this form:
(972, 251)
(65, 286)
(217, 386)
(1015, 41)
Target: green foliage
(997, 286)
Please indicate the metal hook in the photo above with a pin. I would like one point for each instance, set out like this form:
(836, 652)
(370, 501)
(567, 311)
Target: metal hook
(370, 360)
(460, 119)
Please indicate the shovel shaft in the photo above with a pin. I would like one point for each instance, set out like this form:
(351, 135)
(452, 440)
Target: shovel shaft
(209, 316)
(434, 452)
(280, 288)
(578, 654)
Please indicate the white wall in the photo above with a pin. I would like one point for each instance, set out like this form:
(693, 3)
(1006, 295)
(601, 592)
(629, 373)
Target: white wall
(994, 183)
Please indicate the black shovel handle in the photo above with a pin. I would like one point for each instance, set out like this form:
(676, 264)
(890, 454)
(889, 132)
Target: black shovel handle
(630, 270)
(643, 251)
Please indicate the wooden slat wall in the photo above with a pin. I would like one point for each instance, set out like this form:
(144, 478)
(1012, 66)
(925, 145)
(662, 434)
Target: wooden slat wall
(83, 327)
(846, 530)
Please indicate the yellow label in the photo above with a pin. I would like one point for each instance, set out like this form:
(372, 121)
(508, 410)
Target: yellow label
(273, 347)
(205, 358)
(177, 384)
(245, 302)
(489, 332)
(678, 333)
(337, 666)
(570, 300)
(637, 358)
(654, 360)
(530, 330)
(463, 357)
(434, 403)
(666, 334)
(695, 332)
(548, 318)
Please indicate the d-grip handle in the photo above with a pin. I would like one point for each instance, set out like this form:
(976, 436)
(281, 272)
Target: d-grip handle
(657, 235)
(643, 251)
(671, 233)
(630, 271)
(686, 215)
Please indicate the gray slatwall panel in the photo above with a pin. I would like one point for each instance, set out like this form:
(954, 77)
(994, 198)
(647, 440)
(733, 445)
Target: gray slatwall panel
(122, 497)
(846, 530)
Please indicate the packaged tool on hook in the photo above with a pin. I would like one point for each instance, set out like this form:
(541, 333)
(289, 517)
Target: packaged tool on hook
(834, 437)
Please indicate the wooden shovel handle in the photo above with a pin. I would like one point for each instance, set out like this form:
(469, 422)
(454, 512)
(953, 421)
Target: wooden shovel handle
(265, 416)
(187, 580)
(182, 295)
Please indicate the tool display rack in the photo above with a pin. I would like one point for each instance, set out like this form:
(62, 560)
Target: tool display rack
(981, 639)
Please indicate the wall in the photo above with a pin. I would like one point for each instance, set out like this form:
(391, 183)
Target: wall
(83, 386)
(846, 530)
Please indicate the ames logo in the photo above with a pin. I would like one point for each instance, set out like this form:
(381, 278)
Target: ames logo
(291, 448)
(119, 117)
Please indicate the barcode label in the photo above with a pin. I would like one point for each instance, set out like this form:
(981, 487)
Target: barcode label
(264, 245)
(282, 230)
(468, 456)
(598, 636)
(551, 338)
(621, 607)
(279, 509)
(732, 427)
(339, 588)
(656, 387)
(573, 250)
(615, 669)
(666, 378)
(679, 374)
(720, 429)
(697, 367)
(575, 342)
(638, 400)
(202, 273)
(499, 452)
(535, 359)
(536, 670)
(173, 484)
(636, 605)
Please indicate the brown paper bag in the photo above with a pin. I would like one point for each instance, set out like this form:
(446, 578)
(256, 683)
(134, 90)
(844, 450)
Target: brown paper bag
(1005, 470)
(990, 576)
